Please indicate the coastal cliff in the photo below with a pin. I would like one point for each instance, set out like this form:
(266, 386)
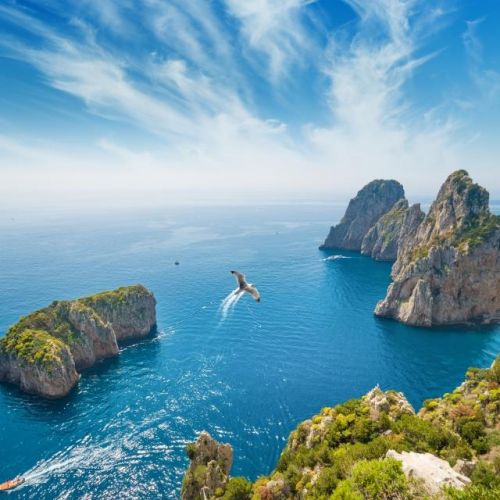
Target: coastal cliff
(448, 268)
(376, 447)
(45, 350)
(363, 212)
(383, 240)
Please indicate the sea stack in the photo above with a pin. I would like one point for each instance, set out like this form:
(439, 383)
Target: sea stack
(208, 473)
(45, 350)
(363, 212)
(448, 267)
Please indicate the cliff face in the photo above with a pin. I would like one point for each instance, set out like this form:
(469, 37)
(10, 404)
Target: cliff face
(44, 350)
(448, 269)
(363, 211)
(384, 238)
(208, 473)
(38, 363)
(376, 447)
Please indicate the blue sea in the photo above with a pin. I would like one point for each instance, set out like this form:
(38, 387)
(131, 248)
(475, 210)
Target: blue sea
(247, 373)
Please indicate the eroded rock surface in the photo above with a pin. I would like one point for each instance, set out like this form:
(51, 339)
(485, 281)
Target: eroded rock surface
(363, 211)
(382, 240)
(208, 473)
(434, 472)
(448, 269)
(44, 351)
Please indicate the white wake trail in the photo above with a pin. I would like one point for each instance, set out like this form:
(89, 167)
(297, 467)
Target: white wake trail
(229, 302)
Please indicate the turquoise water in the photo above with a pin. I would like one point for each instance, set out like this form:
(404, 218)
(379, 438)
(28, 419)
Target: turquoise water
(248, 377)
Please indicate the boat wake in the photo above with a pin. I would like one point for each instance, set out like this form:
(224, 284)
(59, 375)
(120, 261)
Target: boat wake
(336, 257)
(228, 304)
(77, 457)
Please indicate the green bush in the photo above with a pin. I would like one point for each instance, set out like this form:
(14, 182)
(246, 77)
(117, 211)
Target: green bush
(191, 450)
(375, 480)
(423, 436)
(485, 475)
(238, 488)
(470, 430)
(473, 493)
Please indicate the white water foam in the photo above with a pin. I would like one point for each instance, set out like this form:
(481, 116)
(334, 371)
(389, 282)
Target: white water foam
(336, 257)
(229, 302)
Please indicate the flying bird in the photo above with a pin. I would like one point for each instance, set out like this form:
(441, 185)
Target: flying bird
(245, 287)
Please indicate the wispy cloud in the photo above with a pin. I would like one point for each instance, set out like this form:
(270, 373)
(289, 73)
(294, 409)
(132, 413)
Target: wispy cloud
(375, 127)
(487, 79)
(276, 30)
(191, 87)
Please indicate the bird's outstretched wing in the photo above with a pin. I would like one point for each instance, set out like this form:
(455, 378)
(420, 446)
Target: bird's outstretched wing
(253, 292)
(240, 279)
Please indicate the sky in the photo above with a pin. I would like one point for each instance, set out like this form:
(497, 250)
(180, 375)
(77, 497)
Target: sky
(291, 99)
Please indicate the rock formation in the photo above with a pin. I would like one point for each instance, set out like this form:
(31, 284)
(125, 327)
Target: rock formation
(208, 473)
(374, 447)
(448, 269)
(45, 350)
(434, 472)
(363, 211)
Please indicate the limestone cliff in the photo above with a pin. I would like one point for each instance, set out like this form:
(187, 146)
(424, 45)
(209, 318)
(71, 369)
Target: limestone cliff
(384, 238)
(362, 213)
(373, 448)
(208, 474)
(448, 269)
(43, 352)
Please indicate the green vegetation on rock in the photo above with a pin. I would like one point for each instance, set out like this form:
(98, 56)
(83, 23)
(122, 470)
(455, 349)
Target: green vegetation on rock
(40, 337)
(33, 346)
(114, 297)
(341, 452)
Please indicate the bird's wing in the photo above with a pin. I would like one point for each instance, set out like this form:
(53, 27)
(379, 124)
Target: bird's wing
(240, 278)
(253, 292)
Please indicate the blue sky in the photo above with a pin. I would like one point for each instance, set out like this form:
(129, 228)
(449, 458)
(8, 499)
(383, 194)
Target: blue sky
(227, 97)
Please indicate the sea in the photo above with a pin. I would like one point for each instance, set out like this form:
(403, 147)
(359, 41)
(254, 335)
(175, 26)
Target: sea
(246, 372)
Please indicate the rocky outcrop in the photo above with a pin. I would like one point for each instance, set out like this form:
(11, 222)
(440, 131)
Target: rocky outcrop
(383, 239)
(433, 472)
(363, 212)
(393, 404)
(374, 447)
(38, 364)
(44, 351)
(208, 473)
(448, 269)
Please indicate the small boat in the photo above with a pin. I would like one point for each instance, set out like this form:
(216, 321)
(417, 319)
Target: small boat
(176, 262)
(13, 483)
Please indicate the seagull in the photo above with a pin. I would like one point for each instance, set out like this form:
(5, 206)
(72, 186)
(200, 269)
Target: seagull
(245, 287)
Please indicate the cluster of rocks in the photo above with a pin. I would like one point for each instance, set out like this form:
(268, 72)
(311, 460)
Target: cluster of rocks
(372, 221)
(447, 263)
(45, 351)
(448, 270)
(208, 473)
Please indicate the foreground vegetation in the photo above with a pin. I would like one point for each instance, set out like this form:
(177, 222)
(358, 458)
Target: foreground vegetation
(341, 452)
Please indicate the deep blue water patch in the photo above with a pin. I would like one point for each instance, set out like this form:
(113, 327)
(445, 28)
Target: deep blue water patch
(248, 378)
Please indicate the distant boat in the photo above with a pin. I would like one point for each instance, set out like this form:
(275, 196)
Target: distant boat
(13, 483)
(176, 262)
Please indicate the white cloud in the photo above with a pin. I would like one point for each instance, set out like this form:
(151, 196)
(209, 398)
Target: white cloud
(190, 95)
(276, 30)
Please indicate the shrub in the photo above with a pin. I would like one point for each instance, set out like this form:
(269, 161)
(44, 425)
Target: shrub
(376, 479)
(191, 450)
(473, 493)
(238, 488)
(471, 430)
(485, 475)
